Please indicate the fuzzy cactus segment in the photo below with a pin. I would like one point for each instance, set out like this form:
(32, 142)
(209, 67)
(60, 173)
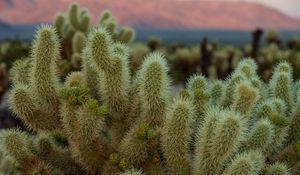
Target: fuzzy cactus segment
(249, 163)
(277, 169)
(16, 144)
(126, 35)
(153, 83)
(57, 157)
(114, 75)
(260, 137)
(82, 123)
(59, 22)
(114, 88)
(73, 15)
(36, 101)
(199, 95)
(281, 87)
(245, 99)
(90, 144)
(279, 106)
(20, 72)
(99, 45)
(74, 79)
(175, 137)
(230, 89)
(44, 76)
(196, 82)
(78, 42)
(80, 20)
(197, 88)
(24, 106)
(284, 67)
(221, 144)
(154, 89)
(217, 89)
(247, 68)
(264, 110)
(294, 131)
(204, 136)
(91, 77)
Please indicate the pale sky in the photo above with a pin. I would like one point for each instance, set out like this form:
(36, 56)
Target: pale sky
(290, 7)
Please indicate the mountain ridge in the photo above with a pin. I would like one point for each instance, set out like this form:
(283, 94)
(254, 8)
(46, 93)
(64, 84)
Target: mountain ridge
(158, 14)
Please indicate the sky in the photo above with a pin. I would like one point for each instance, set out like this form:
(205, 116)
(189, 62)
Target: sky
(290, 7)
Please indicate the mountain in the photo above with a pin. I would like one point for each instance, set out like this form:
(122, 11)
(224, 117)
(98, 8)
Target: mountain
(187, 14)
(24, 31)
(4, 26)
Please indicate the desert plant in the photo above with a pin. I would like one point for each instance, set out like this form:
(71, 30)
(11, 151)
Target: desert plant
(73, 26)
(101, 120)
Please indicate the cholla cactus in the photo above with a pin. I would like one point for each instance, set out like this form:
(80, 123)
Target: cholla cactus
(73, 26)
(119, 124)
(260, 136)
(124, 34)
(41, 112)
(245, 99)
(247, 163)
(277, 169)
(175, 136)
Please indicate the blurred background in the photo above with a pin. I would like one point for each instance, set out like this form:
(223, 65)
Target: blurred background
(226, 21)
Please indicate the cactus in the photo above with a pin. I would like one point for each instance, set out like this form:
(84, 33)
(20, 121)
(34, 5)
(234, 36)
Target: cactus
(40, 113)
(176, 134)
(219, 144)
(245, 99)
(260, 136)
(230, 89)
(256, 35)
(280, 85)
(277, 169)
(153, 93)
(117, 123)
(248, 163)
(294, 134)
(16, 143)
(217, 90)
(73, 26)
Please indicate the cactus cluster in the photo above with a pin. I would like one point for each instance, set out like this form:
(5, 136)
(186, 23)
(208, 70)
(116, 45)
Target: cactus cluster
(72, 28)
(217, 61)
(116, 113)
(211, 60)
(103, 120)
